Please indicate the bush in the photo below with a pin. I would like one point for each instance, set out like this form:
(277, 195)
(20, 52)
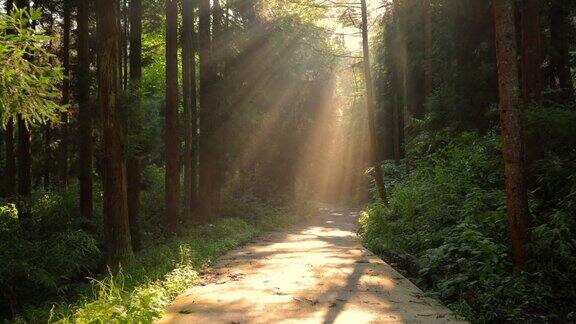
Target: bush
(448, 214)
(43, 254)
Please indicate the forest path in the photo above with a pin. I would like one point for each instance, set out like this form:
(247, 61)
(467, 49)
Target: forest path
(314, 273)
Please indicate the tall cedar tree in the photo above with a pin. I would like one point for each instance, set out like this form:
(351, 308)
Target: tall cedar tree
(217, 70)
(189, 93)
(24, 152)
(86, 142)
(125, 36)
(378, 175)
(134, 161)
(397, 81)
(116, 224)
(427, 18)
(171, 130)
(47, 163)
(195, 113)
(10, 164)
(531, 51)
(415, 41)
(207, 110)
(65, 57)
(560, 31)
(512, 128)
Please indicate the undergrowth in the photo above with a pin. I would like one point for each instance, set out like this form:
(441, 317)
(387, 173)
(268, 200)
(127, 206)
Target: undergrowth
(55, 274)
(446, 223)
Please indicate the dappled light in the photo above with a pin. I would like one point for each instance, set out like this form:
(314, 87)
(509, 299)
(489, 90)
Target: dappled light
(317, 273)
(287, 161)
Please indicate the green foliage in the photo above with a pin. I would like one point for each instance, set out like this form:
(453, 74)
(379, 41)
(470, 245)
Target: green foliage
(56, 254)
(449, 215)
(29, 75)
(141, 291)
(40, 256)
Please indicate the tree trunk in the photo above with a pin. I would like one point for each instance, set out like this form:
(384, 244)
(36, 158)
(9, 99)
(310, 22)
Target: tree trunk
(560, 31)
(379, 178)
(531, 52)
(172, 140)
(10, 167)
(126, 36)
(207, 108)
(189, 106)
(47, 163)
(10, 164)
(86, 148)
(512, 129)
(65, 57)
(415, 72)
(427, 17)
(134, 168)
(194, 113)
(24, 154)
(24, 166)
(116, 223)
(219, 55)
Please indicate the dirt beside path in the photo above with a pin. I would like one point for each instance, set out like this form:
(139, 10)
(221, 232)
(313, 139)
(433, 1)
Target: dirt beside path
(317, 273)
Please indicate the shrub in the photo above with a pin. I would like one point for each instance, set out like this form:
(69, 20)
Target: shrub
(449, 215)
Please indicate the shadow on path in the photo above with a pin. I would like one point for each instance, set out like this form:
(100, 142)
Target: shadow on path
(315, 273)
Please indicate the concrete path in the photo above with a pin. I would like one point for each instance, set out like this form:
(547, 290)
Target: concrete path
(317, 273)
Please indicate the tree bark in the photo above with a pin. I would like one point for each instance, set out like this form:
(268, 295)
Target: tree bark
(207, 108)
(379, 178)
(86, 148)
(415, 72)
(531, 52)
(512, 129)
(188, 91)
(10, 167)
(47, 163)
(134, 168)
(194, 113)
(24, 166)
(560, 31)
(65, 57)
(427, 17)
(24, 153)
(116, 223)
(172, 140)
(125, 36)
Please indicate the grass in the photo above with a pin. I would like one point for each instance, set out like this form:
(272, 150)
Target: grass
(143, 288)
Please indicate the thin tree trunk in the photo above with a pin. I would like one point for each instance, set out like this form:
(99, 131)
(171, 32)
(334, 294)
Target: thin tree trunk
(218, 51)
(134, 162)
(24, 154)
(187, 60)
(194, 113)
(63, 149)
(560, 29)
(172, 140)
(415, 71)
(116, 223)
(47, 163)
(512, 129)
(531, 52)
(207, 107)
(379, 178)
(10, 167)
(86, 148)
(126, 36)
(396, 129)
(10, 164)
(427, 17)
(24, 166)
